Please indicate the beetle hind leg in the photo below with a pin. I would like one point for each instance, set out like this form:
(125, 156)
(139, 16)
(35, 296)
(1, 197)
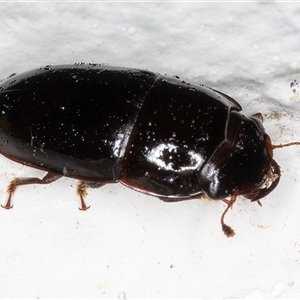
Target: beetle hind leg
(81, 191)
(11, 188)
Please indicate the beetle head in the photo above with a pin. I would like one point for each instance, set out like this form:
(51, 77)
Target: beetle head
(270, 181)
(243, 163)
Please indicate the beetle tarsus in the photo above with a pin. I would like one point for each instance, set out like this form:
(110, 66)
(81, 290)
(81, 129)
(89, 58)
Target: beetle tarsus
(11, 188)
(228, 231)
(83, 205)
(81, 191)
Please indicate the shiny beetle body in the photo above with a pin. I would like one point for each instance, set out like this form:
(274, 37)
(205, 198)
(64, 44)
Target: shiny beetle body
(156, 134)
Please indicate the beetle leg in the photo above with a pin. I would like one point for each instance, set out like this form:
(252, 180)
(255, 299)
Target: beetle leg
(229, 232)
(195, 197)
(48, 178)
(81, 191)
(258, 116)
(166, 199)
(226, 201)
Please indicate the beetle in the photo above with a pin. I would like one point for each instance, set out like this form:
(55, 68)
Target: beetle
(156, 134)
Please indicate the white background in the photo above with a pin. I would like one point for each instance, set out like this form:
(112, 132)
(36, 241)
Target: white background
(129, 244)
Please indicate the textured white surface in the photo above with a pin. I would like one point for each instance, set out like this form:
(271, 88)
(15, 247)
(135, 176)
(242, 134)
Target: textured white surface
(132, 245)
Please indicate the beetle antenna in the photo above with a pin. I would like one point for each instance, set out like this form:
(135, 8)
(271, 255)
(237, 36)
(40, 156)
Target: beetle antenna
(229, 232)
(286, 145)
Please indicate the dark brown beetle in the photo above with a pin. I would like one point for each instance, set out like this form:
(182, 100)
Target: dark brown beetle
(155, 134)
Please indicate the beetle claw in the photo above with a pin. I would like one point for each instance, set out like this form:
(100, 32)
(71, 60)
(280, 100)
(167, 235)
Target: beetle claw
(8, 204)
(83, 205)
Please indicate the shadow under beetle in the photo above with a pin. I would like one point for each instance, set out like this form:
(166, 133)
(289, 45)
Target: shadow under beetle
(155, 134)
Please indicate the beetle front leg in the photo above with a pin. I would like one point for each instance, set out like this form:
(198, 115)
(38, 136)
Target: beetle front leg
(259, 116)
(81, 191)
(229, 232)
(48, 178)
